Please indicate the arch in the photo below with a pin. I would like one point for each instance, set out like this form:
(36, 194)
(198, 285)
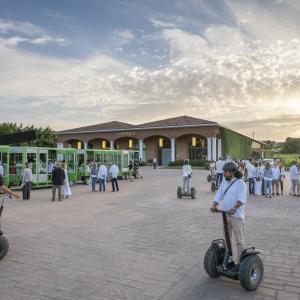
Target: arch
(123, 142)
(99, 143)
(191, 146)
(159, 147)
(74, 143)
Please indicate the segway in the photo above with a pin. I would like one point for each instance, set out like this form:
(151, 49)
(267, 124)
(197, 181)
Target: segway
(191, 193)
(4, 245)
(218, 261)
(213, 185)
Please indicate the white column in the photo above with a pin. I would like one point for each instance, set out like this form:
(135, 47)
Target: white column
(111, 145)
(173, 149)
(85, 145)
(208, 148)
(141, 150)
(219, 147)
(214, 148)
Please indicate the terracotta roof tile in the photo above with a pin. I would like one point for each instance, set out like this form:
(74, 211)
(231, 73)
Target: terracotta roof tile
(178, 121)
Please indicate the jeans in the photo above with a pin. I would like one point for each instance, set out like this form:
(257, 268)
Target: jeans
(114, 183)
(251, 185)
(295, 186)
(102, 184)
(219, 179)
(94, 180)
(268, 187)
(186, 184)
(26, 191)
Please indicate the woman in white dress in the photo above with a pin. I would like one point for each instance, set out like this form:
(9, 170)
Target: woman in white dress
(258, 179)
(66, 190)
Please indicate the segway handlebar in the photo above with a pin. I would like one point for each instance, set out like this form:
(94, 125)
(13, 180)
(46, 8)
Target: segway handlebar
(221, 211)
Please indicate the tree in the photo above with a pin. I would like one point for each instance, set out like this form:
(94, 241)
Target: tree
(291, 146)
(45, 136)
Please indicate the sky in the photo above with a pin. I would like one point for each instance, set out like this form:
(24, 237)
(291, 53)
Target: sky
(71, 63)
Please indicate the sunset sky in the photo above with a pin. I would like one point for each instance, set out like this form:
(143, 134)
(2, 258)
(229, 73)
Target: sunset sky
(70, 63)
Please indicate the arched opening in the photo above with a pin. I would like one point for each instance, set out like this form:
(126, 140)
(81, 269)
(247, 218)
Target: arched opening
(158, 147)
(99, 143)
(191, 146)
(74, 143)
(127, 143)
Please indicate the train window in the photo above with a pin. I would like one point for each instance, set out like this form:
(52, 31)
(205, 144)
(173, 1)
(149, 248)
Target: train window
(43, 163)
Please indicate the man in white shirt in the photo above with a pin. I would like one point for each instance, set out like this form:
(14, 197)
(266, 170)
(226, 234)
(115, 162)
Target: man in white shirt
(276, 177)
(102, 174)
(186, 174)
(251, 171)
(114, 172)
(219, 171)
(231, 196)
(294, 173)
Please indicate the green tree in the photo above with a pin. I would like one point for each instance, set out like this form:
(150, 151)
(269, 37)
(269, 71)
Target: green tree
(45, 136)
(291, 146)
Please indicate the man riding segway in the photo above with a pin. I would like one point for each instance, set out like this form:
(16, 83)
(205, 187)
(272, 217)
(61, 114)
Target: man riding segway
(248, 268)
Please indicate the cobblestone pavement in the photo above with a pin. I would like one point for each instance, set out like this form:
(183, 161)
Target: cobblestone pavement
(140, 243)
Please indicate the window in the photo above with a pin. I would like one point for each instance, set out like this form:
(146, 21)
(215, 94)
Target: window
(197, 149)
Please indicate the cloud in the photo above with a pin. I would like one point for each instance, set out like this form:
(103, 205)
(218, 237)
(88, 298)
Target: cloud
(14, 33)
(27, 28)
(161, 24)
(223, 72)
(123, 37)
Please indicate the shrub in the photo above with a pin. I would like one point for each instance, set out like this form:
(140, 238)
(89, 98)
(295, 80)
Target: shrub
(193, 163)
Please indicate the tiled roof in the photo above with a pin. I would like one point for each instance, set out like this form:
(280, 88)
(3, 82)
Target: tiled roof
(114, 125)
(177, 121)
(103, 126)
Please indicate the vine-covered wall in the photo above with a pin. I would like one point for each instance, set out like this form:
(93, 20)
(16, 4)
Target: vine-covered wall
(235, 145)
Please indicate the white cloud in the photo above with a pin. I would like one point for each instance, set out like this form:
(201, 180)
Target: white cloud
(20, 32)
(27, 28)
(161, 24)
(123, 37)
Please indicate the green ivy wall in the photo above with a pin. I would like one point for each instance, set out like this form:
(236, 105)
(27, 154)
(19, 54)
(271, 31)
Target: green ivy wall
(235, 145)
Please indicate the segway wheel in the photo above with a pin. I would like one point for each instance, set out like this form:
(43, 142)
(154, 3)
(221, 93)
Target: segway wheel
(179, 192)
(193, 193)
(211, 262)
(251, 272)
(209, 178)
(4, 246)
(213, 186)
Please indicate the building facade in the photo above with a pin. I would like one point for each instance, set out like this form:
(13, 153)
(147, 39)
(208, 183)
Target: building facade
(166, 140)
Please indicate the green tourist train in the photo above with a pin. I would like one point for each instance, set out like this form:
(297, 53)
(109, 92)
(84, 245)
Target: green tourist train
(41, 160)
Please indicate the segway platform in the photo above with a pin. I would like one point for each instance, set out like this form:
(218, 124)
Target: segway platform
(190, 194)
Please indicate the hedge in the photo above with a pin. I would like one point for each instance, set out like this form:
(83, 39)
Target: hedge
(193, 163)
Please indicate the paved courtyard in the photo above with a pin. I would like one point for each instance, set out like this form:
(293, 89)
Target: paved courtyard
(140, 243)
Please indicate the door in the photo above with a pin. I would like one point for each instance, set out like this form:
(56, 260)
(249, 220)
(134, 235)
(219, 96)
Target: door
(165, 157)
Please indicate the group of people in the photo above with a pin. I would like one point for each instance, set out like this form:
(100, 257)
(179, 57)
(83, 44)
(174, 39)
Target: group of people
(100, 173)
(265, 178)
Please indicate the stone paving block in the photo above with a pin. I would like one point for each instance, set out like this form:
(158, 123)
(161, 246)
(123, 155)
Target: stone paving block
(141, 244)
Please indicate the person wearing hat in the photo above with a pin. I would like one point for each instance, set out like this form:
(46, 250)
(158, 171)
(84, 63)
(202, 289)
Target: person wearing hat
(231, 197)
(186, 174)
